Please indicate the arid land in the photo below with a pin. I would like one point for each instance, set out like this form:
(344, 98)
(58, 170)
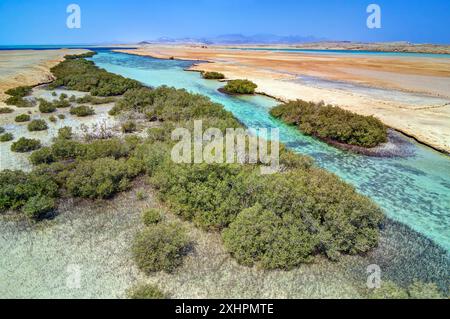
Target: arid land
(28, 67)
(420, 107)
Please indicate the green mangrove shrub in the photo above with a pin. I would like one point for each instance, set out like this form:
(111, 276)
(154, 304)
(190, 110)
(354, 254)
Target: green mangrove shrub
(151, 216)
(17, 96)
(240, 87)
(213, 76)
(38, 206)
(333, 123)
(22, 118)
(6, 137)
(82, 111)
(37, 125)
(160, 247)
(146, 291)
(5, 110)
(24, 145)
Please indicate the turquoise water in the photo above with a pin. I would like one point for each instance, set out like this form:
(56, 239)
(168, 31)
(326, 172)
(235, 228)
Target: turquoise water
(414, 191)
(350, 52)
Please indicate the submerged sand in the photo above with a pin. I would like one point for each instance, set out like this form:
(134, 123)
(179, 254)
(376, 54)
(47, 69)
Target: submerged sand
(414, 96)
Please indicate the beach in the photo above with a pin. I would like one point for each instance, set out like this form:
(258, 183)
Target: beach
(28, 67)
(407, 93)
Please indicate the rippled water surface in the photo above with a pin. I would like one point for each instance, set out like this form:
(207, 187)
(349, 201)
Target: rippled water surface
(414, 190)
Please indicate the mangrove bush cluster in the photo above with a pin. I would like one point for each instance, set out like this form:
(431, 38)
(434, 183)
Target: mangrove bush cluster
(240, 87)
(213, 76)
(273, 221)
(17, 96)
(332, 123)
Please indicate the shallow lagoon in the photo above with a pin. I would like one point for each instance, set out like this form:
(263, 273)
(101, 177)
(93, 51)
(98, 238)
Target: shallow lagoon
(414, 191)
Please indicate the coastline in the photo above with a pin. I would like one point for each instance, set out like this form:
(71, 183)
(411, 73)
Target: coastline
(427, 125)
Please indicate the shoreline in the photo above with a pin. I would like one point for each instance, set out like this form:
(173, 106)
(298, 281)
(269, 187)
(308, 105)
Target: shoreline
(200, 66)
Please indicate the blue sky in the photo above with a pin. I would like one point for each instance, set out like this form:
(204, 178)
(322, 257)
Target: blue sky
(103, 21)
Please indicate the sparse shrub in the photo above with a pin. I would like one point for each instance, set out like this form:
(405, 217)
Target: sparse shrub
(61, 116)
(20, 91)
(17, 187)
(101, 178)
(22, 118)
(89, 99)
(240, 87)
(17, 96)
(63, 96)
(5, 110)
(334, 123)
(52, 119)
(37, 125)
(129, 127)
(38, 206)
(46, 106)
(146, 291)
(42, 156)
(24, 145)
(65, 133)
(2, 130)
(6, 137)
(213, 76)
(82, 111)
(54, 93)
(140, 195)
(151, 216)
(160, 247)
(72, 99)
(61, 104)
(259, 236)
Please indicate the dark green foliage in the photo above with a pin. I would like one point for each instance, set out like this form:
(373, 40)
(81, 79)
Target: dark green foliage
(61, 116)
(82, 75)
(210, 195)
(101, 178)
(63, 96)
(20, 91)
(4, 110)
(146, 292)
(82, 111)
(169, 104)
(160, 247)
(240, 87)
(37, 125)
(213, 76)
(46, 106)
(17, 188)
(24, 145)
(6, 137)
(22, 118)
(38, 206)
(65, 133)
(61, 104)
(42, 156)
(89, 99)
(18, 101)
(262, 237)
(151, 216)
(52, 119)
(129, 127)
(2, 130)
(80, 56)
(17, 96)
(328, 122)
(54, 94)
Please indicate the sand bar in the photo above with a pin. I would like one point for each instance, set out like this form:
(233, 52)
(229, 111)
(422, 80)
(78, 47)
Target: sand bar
(279, 74)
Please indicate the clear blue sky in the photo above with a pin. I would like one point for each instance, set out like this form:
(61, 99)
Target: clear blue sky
(44, 21)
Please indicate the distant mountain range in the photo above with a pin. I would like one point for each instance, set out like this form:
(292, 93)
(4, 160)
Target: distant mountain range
(238, 39)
